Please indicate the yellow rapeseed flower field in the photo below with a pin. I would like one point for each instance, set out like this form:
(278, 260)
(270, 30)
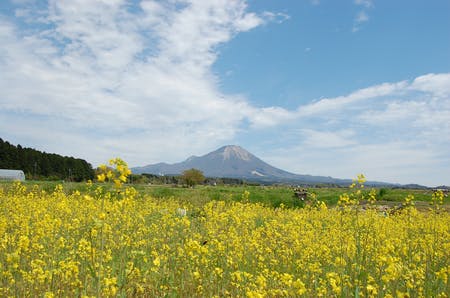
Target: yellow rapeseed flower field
(124, 244)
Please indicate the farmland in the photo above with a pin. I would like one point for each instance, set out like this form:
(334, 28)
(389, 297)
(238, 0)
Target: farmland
(92, 240)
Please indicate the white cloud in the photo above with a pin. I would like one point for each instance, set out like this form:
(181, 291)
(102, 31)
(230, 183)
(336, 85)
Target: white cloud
(396, 132)
(327, 139)
(419, 109)
(97, 79)
(395, 162)
(338, 103)
(270, 116)
(362, 16)
(101, 72)
(278, 17)
(365, 3)
(437, 84)
(248, 22)
(423, 103)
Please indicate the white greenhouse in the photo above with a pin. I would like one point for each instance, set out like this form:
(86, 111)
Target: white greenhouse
(12, 175)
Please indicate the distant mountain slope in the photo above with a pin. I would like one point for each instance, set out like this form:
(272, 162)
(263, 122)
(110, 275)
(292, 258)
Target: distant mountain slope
(234, 162)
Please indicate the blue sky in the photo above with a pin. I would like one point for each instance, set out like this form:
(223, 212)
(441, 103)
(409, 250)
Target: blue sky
(331, 88)
(315, 53)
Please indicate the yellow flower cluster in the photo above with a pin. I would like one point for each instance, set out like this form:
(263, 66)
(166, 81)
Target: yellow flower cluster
(118, 175)
(93, 244)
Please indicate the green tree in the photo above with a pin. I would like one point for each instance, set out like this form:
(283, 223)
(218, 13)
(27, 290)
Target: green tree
(43, 165)
(192, 177)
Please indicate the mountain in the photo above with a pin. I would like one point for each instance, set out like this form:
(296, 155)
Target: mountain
(235, 162)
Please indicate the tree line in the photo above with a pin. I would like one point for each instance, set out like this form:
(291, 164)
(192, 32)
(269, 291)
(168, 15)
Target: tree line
(41, 165)
(184, 179)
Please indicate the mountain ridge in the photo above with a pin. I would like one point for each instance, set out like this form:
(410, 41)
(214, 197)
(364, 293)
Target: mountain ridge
(233, 161)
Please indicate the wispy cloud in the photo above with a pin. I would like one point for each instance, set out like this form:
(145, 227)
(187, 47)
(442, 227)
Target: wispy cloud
(101, 78)
(387, 131)
(339, 103)
(109, 72)
(278, 17)
(327, 139)
(364, 3)
(362, 16)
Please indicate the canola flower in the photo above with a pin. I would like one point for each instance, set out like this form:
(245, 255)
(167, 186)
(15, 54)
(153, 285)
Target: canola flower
(109, 244)
(118, 175)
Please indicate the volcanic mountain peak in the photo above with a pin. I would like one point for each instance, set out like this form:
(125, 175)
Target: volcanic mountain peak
(191, 158)
(236, 152)
(234, 162)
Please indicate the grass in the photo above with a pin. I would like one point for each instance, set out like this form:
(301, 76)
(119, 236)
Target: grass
(271, 196)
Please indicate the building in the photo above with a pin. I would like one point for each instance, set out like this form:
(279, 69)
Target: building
(12, 175)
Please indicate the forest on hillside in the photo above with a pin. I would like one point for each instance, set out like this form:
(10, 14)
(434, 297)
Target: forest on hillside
(41, 165)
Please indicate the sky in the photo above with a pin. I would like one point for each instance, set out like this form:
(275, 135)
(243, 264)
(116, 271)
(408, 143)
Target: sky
(332, 88)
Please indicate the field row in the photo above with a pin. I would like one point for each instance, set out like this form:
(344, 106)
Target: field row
(271, 196)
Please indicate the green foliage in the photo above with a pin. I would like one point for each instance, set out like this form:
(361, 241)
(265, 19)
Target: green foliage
(157, 179)
(139, 179)
(193, 177)
(43, 166)
(270, 196)
(382, 192)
